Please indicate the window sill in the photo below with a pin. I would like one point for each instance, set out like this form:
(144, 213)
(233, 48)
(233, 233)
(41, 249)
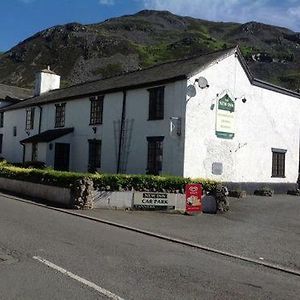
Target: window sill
(278, 176)
(158, 119)
(95, 124)
(59, 126)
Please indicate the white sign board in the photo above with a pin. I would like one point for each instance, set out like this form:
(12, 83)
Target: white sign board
(153, 199)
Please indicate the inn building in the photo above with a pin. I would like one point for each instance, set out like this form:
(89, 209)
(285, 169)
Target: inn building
(202, 117)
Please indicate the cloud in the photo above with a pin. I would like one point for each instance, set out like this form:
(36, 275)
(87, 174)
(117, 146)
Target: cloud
(267, 11)
(294, 12)
(107, 2)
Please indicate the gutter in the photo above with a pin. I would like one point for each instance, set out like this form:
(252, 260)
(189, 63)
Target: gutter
(121, 136)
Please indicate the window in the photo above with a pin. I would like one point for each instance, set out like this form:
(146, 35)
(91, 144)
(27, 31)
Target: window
(1, 119)
(15, 131)
(155, 154)
(156, 103)
(29, 118)
(1, 142)
(96, 110)
(94, 155)
(34, 152)
(278, 162)
(60, 115)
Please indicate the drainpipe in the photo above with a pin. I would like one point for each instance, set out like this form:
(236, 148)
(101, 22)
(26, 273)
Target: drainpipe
(121, 137)
(23, 158)
(40, 119)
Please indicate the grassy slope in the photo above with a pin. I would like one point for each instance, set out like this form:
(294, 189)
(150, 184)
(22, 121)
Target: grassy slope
(82, 52)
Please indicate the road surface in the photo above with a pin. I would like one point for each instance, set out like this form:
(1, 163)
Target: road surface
(46, 254)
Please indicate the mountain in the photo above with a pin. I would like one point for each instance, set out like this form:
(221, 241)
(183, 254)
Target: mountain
(85, 52)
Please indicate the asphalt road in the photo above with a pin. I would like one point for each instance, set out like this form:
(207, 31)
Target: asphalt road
(255, 227)
(128, 264)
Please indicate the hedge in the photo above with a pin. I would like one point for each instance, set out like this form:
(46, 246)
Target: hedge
(104, 182)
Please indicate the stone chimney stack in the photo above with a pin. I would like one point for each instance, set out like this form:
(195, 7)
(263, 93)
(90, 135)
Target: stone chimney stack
(45, 81)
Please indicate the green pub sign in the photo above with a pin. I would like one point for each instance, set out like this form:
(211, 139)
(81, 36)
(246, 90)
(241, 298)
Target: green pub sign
(225, 118)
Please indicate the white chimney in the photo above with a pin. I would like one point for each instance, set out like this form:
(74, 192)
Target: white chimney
(45, 81)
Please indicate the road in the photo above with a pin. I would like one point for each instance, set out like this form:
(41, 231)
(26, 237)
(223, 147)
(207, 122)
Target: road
(127, 264)
(255, 227)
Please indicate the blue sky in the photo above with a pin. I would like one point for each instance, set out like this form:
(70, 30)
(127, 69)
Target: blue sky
(20, 19)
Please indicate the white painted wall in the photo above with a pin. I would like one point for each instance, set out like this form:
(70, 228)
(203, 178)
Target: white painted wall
(45, 82)
(78, 116)
(12, 149)
(137, 111)
(267, 120)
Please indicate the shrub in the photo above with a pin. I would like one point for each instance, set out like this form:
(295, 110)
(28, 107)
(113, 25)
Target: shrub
(34, 165)
(237, 194)
(294, 192)
(265, 191)
(104, 182)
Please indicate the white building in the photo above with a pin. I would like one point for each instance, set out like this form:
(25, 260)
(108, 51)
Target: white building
(201, 117)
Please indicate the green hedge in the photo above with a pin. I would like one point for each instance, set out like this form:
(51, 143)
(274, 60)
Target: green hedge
(104, 182)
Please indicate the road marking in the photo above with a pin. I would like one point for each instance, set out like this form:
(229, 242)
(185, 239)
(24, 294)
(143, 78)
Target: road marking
(163, 237)
(78, 278)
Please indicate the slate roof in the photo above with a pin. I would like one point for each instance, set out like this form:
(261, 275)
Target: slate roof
(47, 136)
(159, 74)
(156, 75)
(11, 93)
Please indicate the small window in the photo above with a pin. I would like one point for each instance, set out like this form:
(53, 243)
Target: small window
(156, 103)
(34, 153)
(1, 119)
(278, 162)
(1, 142)
(155, 155)
(15, 131)
(29, 118)
(94, 155)
(60, 115)
(96, 114)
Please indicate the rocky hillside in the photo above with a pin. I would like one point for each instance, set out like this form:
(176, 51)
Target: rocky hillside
(83, 52)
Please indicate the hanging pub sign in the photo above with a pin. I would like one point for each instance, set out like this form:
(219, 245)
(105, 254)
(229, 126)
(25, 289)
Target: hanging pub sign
(193, 194)
(225, 117)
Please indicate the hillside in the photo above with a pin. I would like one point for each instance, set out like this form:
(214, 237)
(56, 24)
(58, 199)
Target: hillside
(83, 52)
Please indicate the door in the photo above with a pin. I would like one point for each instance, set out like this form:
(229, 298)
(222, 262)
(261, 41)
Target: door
(62, 157)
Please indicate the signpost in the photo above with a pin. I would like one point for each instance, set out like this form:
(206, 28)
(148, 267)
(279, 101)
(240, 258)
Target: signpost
(193, 194)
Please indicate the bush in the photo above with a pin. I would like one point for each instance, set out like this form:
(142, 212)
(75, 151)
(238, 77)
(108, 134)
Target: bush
(237, 194)
(104, 182)
(266, 191)
(34, 165)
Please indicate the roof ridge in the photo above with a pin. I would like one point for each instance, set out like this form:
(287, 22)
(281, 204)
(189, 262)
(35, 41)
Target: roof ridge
(17, 87)
(148, 68)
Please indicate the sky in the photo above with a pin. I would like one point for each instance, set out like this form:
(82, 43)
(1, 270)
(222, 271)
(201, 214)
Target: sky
(19, 19)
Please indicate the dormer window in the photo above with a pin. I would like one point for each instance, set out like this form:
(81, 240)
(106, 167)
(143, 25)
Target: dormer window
(30, 118)
(60, 115)
(96, 114)
(156, 103)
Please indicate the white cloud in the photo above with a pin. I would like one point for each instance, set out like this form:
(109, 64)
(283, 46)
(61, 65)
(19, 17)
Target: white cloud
(107, 2)
(294, 12)
(267, 11)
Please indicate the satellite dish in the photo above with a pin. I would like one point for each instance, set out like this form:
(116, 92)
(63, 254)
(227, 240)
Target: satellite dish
(191, 91)
(202, 83)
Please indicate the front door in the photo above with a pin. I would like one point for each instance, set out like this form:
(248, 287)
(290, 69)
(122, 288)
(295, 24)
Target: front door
(62, 157)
